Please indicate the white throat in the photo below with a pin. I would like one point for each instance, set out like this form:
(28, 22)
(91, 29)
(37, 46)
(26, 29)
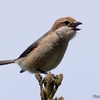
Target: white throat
(65, 32)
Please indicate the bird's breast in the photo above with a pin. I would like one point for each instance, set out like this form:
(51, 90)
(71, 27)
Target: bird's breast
(47, 55)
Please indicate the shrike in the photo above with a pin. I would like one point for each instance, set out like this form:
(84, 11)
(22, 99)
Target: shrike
(47, 52)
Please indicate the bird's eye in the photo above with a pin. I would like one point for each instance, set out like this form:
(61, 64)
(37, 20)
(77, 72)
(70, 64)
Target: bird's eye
(66, 22)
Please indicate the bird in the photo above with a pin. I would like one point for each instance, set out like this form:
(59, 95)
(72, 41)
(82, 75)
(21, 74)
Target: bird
(47, 52)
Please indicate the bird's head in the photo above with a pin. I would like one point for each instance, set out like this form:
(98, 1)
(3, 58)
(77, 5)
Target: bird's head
(66, 27)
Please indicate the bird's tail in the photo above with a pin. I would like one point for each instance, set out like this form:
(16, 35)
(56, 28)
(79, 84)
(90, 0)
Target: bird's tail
(4, 62)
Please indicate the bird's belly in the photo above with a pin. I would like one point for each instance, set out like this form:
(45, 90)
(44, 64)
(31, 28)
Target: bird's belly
(44, 61)
(46, 56)
(50, 62)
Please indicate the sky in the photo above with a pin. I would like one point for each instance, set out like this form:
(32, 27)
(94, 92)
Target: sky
(24, 21)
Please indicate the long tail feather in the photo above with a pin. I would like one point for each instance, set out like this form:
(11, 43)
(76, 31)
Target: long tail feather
(4, 62)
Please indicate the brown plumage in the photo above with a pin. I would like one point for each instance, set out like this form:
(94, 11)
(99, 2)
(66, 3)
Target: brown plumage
(47, 52)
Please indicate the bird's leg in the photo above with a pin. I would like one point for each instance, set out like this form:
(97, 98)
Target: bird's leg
(41, 71)
(44, 72)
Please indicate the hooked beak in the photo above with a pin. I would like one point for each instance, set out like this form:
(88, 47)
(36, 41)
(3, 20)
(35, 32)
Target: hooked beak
(74, 25)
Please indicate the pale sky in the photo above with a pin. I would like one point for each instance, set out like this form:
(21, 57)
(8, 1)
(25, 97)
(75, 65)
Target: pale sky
(24, 21)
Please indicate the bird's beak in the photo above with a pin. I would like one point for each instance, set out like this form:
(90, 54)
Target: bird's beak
(77, 23)
(74, 25)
